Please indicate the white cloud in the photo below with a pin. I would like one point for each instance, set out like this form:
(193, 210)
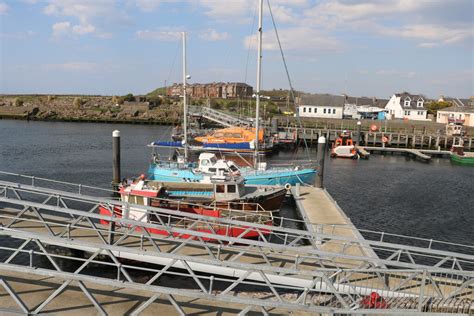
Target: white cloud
(433, 33)
(428, 45)
(30, 1)
(364, 9)
(73, 67)
(159, 35)
(304, 39)
(3, 8)
(83, 29)
(89, 14)
(213, 35)
(61, 29)
(396, 73)
(222, 10)
(84, 10)
(149, 5)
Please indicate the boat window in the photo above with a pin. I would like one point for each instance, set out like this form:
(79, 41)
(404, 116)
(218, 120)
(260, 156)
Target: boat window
(231, 188)
(233, 168)
(212, 169)
(219, 135)
(205, 162)
(237, 135)
(220, 188)
(228, 135)
(213, 160)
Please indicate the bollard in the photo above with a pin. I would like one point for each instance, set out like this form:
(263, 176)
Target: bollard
(116, 159)
(359, 125)
(320, 161)
(274, 123)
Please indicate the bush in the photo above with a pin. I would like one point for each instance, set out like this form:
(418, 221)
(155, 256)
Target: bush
(78, 102)
(18, 102)
(129, 97)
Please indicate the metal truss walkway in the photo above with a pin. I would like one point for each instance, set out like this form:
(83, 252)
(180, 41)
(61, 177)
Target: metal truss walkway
(216, 116)
(59, 234)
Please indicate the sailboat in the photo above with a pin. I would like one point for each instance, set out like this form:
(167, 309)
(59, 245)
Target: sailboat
(259, 174)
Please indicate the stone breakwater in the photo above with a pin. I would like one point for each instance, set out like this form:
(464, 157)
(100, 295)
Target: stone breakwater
(86, 109)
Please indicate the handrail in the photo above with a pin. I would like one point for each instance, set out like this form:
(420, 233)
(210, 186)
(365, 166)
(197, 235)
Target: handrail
(380, 236)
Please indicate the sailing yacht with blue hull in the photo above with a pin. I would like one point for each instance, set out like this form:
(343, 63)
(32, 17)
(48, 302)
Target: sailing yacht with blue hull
(209, 164)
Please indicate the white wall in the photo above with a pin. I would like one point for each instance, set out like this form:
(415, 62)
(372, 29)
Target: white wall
(442, 117)
(397, 111)
(416, 115)
(320, 111)
(393, 108)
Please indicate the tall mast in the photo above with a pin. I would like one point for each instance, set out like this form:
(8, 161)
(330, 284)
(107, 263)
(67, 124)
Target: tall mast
(259, 79)
(185, 103)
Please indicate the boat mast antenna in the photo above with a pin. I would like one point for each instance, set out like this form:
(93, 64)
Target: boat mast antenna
(259, 79)
(185, 103)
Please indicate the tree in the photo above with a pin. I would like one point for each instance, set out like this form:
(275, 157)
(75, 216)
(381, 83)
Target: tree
(434, 106)
(129, 97)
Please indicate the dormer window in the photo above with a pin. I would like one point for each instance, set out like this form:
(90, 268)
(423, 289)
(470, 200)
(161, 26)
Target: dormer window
(419, 104)
(406, 103)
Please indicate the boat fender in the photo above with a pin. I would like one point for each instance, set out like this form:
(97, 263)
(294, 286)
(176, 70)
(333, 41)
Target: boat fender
(288, 186)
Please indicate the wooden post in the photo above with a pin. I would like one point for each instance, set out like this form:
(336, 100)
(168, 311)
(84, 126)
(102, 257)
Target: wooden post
(320, 161)
(359, 124)
(437, 142)
(116, 159)
(398, 139)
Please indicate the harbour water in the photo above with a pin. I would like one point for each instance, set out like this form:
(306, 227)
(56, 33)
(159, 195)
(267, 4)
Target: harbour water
(385, 193)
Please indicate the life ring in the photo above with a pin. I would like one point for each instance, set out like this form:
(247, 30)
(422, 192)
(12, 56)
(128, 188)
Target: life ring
(385, 139)
(288, 186)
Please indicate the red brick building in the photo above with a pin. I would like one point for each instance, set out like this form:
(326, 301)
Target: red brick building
(226, 90)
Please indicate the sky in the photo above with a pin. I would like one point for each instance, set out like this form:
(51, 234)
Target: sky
(361, 48)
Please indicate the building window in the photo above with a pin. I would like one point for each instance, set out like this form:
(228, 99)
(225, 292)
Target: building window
(315, 110)
(439, 115)
(419, 104)
(333, 111)
(304, 109)
(324, 111)
(459, 116)
(407, 103)
(309, 110)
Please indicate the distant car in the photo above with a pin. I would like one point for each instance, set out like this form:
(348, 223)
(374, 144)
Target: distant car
(289, 113)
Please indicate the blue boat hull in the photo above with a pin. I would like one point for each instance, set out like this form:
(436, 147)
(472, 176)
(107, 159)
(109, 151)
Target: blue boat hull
(268, 177)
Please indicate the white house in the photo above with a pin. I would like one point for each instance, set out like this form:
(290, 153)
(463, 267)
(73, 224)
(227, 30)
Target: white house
(406, 106)
(321, 106)
(456, 114)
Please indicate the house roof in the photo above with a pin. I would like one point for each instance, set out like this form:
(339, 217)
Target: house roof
(458, 109)
(413, 100)
(322, 100)
(365, 101)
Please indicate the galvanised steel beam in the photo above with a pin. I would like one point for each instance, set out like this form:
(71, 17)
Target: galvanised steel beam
(417, 291)
(394, 252)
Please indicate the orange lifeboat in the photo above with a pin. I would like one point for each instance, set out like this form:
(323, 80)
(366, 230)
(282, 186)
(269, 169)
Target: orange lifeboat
(231, 135)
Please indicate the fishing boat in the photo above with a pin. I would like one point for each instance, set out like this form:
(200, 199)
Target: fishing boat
(343, 147)
(459, 156)
(259, 174)
(222, 196)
